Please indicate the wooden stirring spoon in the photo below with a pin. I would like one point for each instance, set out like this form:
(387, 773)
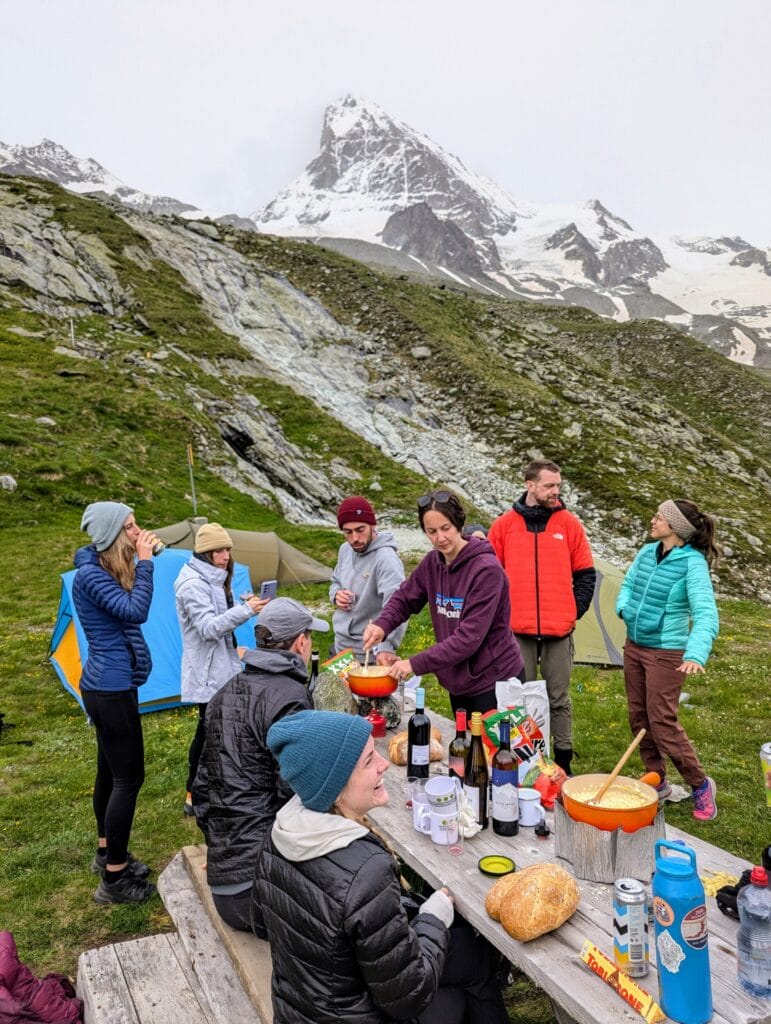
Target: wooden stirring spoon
(622, 761)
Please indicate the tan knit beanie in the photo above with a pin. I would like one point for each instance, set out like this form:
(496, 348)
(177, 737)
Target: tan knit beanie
(212, 537)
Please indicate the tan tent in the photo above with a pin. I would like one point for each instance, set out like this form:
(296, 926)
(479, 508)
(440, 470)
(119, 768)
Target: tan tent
(600, 634)
(268, 557)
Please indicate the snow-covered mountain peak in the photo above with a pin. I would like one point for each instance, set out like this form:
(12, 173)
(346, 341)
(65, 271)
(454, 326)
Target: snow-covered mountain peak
(371, 165)
(51, 160)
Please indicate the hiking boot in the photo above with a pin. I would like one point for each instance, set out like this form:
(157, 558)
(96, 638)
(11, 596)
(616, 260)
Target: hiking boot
(136, 867)
(663, 789)
(704, 806)
(128, 889)
(187, 807)
(562, 757)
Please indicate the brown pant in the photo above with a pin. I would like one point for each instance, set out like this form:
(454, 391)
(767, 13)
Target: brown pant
(653, 687)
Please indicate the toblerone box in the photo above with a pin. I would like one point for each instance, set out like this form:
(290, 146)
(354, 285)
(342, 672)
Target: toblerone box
(627, 988)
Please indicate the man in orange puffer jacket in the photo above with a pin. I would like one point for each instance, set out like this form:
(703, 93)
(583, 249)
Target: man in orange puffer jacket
(548, 561)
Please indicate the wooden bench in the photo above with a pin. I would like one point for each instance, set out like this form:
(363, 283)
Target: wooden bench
(204, 973)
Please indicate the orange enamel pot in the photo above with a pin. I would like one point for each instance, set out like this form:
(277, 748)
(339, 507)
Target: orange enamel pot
(372, 681)
(608, 819)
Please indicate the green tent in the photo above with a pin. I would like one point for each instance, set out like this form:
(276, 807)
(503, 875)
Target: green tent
(267, 556)
(600, 634)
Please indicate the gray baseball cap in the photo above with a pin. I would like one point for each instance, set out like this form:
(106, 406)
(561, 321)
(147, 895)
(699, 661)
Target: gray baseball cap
(287, 618)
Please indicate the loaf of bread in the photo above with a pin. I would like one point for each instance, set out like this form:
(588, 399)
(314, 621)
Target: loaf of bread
(397, 748)
(533, 901)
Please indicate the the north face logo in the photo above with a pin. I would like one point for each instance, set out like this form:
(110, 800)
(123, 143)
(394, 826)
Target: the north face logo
(558, 536)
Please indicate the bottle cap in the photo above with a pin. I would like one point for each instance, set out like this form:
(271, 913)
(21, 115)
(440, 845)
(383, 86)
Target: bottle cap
(542, 830)
(420, 697)
(759, 877)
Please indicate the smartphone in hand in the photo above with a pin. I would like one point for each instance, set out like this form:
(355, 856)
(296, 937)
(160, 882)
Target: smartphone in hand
(268, 589)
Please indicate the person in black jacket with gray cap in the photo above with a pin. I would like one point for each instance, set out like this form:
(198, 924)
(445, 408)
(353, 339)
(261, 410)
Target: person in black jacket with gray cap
(237, 789)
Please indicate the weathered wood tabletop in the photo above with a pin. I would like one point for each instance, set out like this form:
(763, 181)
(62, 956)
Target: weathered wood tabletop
(552, 961)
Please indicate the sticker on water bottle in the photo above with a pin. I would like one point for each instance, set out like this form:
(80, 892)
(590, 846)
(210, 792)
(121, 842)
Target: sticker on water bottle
(694, 927)
(669, 953)
(663, 912)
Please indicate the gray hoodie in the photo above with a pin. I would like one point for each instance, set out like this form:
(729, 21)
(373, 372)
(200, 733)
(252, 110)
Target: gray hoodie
(373, 576)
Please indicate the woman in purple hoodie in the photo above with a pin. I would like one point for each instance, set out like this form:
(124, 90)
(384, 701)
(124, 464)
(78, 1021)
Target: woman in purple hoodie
(468, 595)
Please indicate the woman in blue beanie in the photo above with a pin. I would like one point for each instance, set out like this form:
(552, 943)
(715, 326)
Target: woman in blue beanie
(342, 945)
(112, 591)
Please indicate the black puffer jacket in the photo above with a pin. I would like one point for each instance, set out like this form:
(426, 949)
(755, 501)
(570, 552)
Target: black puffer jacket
(238, 789)
(342, 947)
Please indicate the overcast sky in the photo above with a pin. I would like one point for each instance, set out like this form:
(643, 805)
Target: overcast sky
(660, 108)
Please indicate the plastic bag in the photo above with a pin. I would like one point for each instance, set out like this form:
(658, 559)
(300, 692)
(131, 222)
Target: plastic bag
(532, 696)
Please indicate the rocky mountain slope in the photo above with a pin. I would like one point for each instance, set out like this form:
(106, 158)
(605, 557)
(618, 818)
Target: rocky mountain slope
(299, 375)
(372, 167)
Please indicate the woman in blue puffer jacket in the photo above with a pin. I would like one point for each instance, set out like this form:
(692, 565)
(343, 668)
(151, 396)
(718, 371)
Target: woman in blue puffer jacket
(668, 606)
(112, 591)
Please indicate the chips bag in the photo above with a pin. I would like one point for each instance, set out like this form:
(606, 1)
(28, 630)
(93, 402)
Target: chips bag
(527, 740)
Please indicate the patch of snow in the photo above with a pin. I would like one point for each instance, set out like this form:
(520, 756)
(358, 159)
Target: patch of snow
(744, 350)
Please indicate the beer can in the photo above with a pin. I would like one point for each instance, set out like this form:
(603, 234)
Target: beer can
(765, 767)
(630, 927)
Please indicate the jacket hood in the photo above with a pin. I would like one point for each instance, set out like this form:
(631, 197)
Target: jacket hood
(536, 512)
(384, 539)
(276, 662)
(87, 555)
(300, 834)
(198, 567)
(473, 548)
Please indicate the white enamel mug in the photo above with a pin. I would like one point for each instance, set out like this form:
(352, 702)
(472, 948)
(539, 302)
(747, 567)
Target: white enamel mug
(421, 813)
(530, 812)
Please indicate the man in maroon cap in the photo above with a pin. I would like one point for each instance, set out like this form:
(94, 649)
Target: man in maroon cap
(368, 571)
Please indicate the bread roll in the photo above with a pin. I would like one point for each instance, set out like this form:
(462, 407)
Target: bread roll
(533, 901)
(397, 747)
(498, 892)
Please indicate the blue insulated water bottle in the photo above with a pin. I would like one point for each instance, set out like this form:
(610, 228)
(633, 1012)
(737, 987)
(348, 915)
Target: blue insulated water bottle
(680, 923)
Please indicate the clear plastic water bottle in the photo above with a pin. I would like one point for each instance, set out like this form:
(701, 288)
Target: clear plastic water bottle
(754, 938)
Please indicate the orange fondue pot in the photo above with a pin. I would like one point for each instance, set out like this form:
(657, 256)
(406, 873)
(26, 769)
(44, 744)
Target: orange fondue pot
(608, 819)
(372, 681)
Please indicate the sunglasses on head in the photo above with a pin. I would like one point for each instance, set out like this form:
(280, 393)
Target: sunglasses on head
(441, 496)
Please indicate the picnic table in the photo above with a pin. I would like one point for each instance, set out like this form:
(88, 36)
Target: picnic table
(552, 961)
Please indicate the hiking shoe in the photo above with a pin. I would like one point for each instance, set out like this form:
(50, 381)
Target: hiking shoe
(137, 868)
(188, 805)
(663, 789)
(704, 806)
(128, 889)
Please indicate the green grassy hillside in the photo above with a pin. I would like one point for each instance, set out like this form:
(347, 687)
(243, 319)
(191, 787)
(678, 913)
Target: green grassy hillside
(635, 412)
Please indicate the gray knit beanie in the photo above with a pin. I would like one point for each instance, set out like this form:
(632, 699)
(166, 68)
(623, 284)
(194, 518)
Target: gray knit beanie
(316, 753)
(103, 521)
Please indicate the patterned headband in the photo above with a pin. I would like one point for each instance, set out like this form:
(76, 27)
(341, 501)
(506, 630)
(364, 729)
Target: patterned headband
(683, 527)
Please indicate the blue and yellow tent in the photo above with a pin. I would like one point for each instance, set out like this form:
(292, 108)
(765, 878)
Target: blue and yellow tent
(69, 647)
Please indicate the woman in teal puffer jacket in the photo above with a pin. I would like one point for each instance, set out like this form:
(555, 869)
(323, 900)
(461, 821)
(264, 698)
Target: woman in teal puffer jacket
(668, 606)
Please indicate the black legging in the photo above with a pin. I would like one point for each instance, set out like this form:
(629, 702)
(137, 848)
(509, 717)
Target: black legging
(479, 702)
(196, 748)
(120, 765)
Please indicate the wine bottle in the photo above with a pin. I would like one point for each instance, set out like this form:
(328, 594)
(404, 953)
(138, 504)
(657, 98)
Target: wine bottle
(418, 739)
(459, 746)
(476, 775)
(313, 677)
(505, 810)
